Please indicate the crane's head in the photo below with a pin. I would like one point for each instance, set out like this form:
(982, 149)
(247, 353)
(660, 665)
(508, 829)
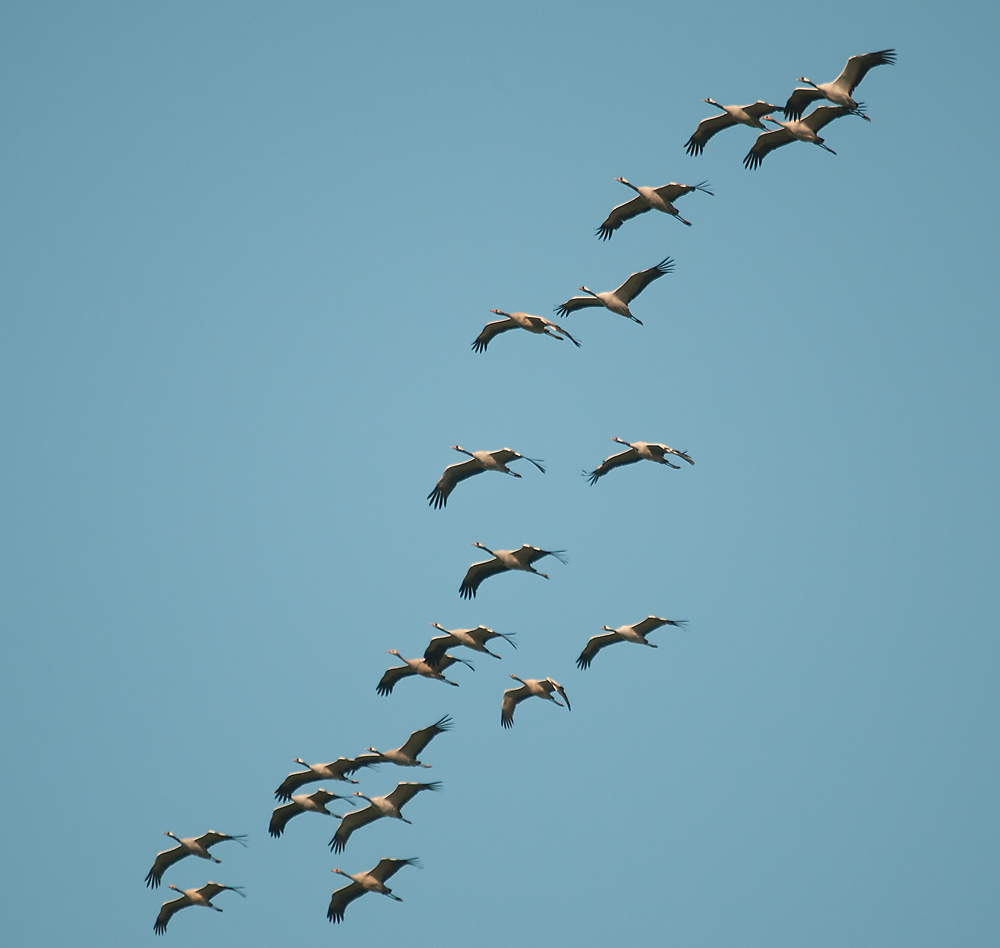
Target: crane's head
(499, 312)
(392, 651)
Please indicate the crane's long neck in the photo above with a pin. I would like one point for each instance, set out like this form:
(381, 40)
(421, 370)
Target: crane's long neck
(808, 82)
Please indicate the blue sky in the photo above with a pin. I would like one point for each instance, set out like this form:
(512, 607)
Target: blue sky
(245, 251)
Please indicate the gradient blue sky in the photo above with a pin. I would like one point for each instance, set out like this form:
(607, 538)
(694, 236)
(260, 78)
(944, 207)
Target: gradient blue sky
(245, 250)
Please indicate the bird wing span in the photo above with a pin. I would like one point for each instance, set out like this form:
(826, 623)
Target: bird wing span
(405, 792)
(824, 115)
(593, 646)
(490, 330)
(800, 99)
(453, 475)
(161, 863)
(705, 130)
(341, 898)
(280, 816)
(476, 574)
(620, 214)
(531, 554)
(387, 868)
(512, 697)
(437, 647)
(672, 191)
(631, 456)
(758, 108)
(649, 624)
(577, 302)
(391, 676)
(418, 740)
(212, 889)
(292, 782)
(211, 838)
(167, 911)
(765, 144)
(857, 67)
(352, 821)
(637, 282)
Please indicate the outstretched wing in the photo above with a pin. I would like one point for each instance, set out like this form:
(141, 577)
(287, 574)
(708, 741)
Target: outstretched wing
(387, 868)
(405, 792)
(593, 646)
(292, 782)
(651, 623)
(824, 115)
(341, 899)
(391, 676)
(800, 99)
(489, 331)
(620, 214)
(631, 456)
(857, 67)
(759, 108)
(167, 912)
(352, 821)
(453, 474)
(765, 144)
(577, 302)
(212, 889)
(637, 282)
(531, 554)
(437, 647)
(670, 192)
(705, 130)
(418, 740)
(482, 635)
(446, 661)
(161, 863)
(281, 815)
(512, 697)
(212, 837)
(506, 455)
(476, 574)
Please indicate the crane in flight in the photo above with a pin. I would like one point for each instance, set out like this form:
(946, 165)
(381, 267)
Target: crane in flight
(530, 688)
(637, 451)
(648, 199)
(479, 461)
(635, 633)
(536, 324)
(202, 896)
(803, 130)
(378, 807)
(417, 666)
(190, 846)
(502, 562)
(617, 300)
(841, 90)
(731, 115)
(363, 882)
(406, 755)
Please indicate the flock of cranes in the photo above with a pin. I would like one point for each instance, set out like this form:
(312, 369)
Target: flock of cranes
(436, 658)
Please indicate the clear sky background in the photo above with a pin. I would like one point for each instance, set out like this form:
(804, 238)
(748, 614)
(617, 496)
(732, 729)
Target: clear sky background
(245, 250)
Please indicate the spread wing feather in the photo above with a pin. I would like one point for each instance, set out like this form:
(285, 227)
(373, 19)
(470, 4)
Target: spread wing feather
(593, 646)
